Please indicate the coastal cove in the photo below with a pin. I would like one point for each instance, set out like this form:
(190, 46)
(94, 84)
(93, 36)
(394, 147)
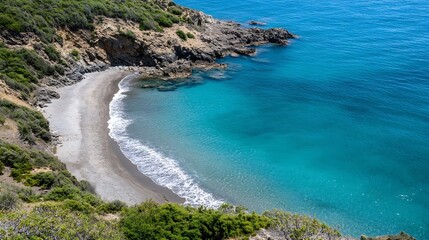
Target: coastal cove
(80, 118)
(223, 119)
(312, 129)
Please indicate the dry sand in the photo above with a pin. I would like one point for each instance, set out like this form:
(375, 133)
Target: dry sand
(80, 118)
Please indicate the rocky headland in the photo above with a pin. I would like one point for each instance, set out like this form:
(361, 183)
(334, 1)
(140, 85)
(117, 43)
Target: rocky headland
(155, 55)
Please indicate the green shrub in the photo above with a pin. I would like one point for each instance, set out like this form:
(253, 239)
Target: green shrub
(56, 222)
(75, 54)
(20, 171)
(45, 180)
(111, 207)
(21, 69)
(52, 53)
(59, 69)
(148, 24)
(174, 19)
(2, 120)
(27, 195)
(164, 21)
(172, 221)
(8, 201)
(63, 193)
(91, 199)
(182, 35)
(23, 160)
(86, 187)
(296, 227)
(78, 206)
(190, 35)
(175, 11)
(44, 17)
(73, 193)
(32, 124)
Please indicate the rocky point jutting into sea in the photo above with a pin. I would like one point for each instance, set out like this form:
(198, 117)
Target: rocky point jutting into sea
(153, 54)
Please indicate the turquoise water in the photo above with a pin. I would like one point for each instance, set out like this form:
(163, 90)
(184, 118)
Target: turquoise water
(335, 125)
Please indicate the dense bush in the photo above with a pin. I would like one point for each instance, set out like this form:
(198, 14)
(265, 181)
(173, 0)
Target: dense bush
(78, 206)
(44, 180)
(59, 69)
(164, 21)
(297, 227)
(111, 207)
(42, 17)
(172, 221)
(70, 192)
(52, 53)
(182, 35)
(75, 54)
(8, 201)
(32, 125)
(175, 10)
(147, 23)
(55, 222)
(22, 68)
(23, 160)
(28, 195)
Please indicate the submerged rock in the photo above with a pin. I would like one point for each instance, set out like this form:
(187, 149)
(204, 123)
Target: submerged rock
(257, 23)
(167, 88)
(400, 236)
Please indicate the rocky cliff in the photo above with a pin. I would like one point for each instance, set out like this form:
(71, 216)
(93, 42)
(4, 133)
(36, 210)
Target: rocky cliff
(170, 53)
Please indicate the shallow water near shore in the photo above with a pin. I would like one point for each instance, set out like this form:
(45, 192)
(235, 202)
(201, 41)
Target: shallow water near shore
(335, 125)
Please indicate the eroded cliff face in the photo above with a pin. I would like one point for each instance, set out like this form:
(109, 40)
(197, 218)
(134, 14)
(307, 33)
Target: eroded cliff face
(162, 55)
(120, 43)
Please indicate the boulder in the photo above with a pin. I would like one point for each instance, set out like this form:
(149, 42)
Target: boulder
(256, 23)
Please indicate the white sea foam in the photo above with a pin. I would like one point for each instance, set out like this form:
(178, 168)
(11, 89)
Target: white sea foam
(163, 170)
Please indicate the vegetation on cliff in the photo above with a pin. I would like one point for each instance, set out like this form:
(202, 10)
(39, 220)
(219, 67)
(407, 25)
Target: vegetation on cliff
(32, 125)
(42, 17)
(22, 68)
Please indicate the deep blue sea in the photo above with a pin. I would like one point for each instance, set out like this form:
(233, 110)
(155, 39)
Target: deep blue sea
(335, 125)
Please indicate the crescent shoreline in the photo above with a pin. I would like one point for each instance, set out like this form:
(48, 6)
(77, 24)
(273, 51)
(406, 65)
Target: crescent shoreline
(80, 119)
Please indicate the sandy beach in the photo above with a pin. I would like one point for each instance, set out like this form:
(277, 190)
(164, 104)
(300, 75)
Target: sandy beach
(80, 118)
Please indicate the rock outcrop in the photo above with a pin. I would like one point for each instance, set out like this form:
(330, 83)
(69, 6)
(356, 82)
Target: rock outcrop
(163, 55)
(166, 51)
